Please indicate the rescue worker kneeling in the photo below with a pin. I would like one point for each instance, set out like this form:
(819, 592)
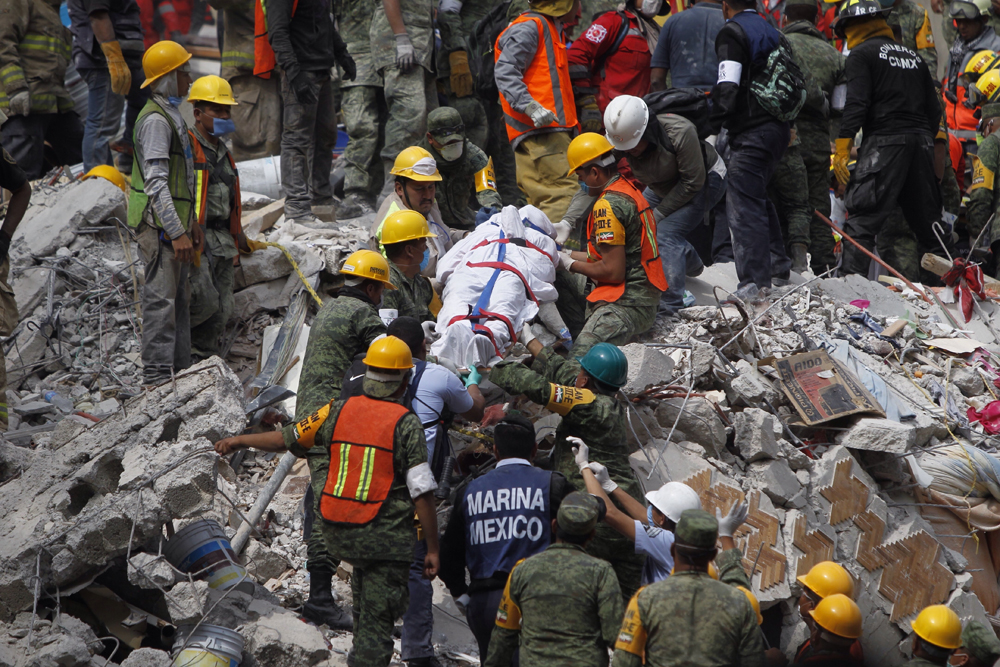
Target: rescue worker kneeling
(621, 259)
(368, 463)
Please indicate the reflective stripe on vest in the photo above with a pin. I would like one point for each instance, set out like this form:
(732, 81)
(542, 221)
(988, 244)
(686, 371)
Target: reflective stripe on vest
(237, 59)
(263, 54)
(547, 79)
(11, 74)
(34, 41)
(201, 183)
(361, 461)
(650, 257)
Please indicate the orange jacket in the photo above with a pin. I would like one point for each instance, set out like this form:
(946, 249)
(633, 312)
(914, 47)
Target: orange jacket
(960, 117)
(263, 54)
(201, 187)
(547, 79)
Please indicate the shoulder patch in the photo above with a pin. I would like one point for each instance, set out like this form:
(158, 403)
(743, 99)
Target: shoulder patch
(608, 228)
(562, 399)
(982, 177)
(653, 531)
(508, 613)
(632, 637)
(596, 33)
(305, 430)
(925, 37)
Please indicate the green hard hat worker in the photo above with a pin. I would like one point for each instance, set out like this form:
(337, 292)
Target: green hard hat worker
(607, 365)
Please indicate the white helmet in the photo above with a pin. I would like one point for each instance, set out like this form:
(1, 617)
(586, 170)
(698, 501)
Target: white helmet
(673, 498)
(625, 120)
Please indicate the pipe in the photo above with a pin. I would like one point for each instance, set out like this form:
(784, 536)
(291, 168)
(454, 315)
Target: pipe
(263, 500)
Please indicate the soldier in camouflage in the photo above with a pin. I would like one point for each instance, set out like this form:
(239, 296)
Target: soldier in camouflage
(590, 412)
(789, 192)
(823, 66)
(984, 195)
(363, 109)
(379, 541)
(562, 606)
(466, 171)
(402, 48)
(980, 646)
(688, 618)
(414, 296)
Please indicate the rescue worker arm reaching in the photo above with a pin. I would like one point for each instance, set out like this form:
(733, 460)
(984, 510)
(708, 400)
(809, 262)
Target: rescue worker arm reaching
(600, 484)
(518, 45)
(609, 268)
(406, 55)
(272, 441)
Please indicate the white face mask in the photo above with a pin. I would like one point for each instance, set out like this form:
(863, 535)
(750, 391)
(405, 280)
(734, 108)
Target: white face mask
(649, 8)
(452, 152)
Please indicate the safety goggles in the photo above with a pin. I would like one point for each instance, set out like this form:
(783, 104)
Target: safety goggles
(445, 132)
(964, 10)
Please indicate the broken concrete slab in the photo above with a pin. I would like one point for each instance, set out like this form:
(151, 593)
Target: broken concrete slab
(147, 657)
(263, 218)
(968, 380)
(263, 563)
(699, 421)
(282, 640)
(271, 264)
(776, 479)
(879, 435)
(150, 571)
(675, 465)
(755, 435)
(647, 366)
(752, 386)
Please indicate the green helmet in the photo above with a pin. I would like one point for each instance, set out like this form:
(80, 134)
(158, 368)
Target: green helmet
(607, 364)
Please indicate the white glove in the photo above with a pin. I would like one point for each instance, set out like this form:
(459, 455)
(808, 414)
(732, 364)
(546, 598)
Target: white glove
(449, 364)
(462, 601)
(539, 115)
(563, 230)
(526, 335)
(601, 473)
(565, 259)
(430, 331)
(730, 523)
(20, 104)
(581, 452)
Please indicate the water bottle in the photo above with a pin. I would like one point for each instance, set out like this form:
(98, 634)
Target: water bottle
(62, 403)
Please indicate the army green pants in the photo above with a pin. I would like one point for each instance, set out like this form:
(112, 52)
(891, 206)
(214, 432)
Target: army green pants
(541, 172)
(318, 556)
(897, 245)
(821, 241)
(362, 168)
(212, 303)
(257, 117)
(612, 323)
(789, 191)
(409, 96)
(381, 594)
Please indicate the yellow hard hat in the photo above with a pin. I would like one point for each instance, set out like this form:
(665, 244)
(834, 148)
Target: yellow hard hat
(987, 88)
(828, 578)
(939, 625)
(585, 148)
(713, 571)
(213, 89)
(108, 173)
(839, 615)
(405, 225)
(390, 353)
(161, 58)
(982, 61)
(367, 264)
(753, 603)
(416, 164)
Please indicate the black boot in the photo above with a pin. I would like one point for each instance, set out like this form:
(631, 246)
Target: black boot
(800, 260)
(321, 607)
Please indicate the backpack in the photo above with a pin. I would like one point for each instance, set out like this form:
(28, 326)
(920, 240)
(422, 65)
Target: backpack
(779, 85)
(481, 45)
(689, 103)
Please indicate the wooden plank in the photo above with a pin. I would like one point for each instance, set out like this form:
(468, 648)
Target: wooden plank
(940, 266)
(255, 222)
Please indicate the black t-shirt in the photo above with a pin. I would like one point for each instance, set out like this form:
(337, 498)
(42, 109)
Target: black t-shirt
(11, 176)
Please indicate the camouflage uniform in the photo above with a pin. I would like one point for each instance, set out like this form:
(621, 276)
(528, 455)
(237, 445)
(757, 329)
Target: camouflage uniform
(490, 133)
(730, 566)
(600, 421)
(212, 283)
(412, 296)
(981, 643)
(915, 27)
(984, 201)
(824, 66)
(364, 116)
(409, 96)
(634, 312)
(343, 327)
(380, 551)
(789, 191)
(570, 609)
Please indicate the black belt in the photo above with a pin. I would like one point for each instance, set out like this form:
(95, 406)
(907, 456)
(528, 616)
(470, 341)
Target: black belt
(218, 223)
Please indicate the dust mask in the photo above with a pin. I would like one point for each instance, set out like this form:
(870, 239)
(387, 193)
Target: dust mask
(649, 8)
(452, 151)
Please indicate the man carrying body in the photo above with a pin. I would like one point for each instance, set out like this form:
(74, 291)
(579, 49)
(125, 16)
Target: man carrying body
(561, 606)
(368, 511)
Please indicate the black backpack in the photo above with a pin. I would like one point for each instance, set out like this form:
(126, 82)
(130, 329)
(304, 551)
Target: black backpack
(481, 46)
(689, 103)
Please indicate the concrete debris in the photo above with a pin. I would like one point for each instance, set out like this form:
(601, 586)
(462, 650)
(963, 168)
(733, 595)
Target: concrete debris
(282, 640)
(263, 563)
(879, 435)
(755, 435)
(699, 421)
(968, 380)
(646, 367)
(149, 571)
(147, 657)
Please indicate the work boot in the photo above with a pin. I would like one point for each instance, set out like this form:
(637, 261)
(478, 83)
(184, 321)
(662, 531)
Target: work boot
(800, 257)
(321, 608)
(424, 662)
(354, 205)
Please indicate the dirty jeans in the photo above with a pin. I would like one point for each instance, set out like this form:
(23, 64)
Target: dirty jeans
(166, 326)
(307, 141)
(104, 113)
(418, 621)
(212, 302)
(753, 221)
(481, 613)
(678, 256)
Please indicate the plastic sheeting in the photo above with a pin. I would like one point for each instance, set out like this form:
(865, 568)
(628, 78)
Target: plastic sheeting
(894, 408)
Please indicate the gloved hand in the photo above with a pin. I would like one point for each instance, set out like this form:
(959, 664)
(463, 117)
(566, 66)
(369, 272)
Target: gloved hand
(406, 56)
(303, 90)
(526, 335)
(20, 104)
(473, 378)
(485, 213)
(840, 159)
(589, 114)
(730, 523)
(539, 115)
(343, 57)
(430, 331)
(462, 601)
(254, 246)
(461, 75)
(121, 77)
(4, 246)
(565, 259)
(581, 452)
(563, 230)
(449, 364)
(603, 478)
(566, 337)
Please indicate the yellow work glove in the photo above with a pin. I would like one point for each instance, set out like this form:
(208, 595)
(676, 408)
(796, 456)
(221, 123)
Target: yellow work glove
(121, 77)
(461, 75)
(840, 160)
(589, 114)
(256, 245)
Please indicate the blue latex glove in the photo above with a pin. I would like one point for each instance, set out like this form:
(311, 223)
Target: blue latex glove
(473, 378)
(484, 214)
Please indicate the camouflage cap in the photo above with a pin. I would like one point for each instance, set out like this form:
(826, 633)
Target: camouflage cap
(382, 383)
(445, 118)
(578, 513)
(697, 529)
(981, 642)
(991, 110)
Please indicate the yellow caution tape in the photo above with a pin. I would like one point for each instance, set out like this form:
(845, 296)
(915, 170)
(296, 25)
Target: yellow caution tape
(295, 266)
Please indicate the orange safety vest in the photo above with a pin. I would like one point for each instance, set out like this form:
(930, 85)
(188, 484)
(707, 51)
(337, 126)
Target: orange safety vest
(547, 79)
(263, 54)
(361, 470)
(961, 119)
(651, 263)
(201, 176)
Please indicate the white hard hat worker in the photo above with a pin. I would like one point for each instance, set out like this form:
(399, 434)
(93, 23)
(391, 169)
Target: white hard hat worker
(625, 121)
(670, 501)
